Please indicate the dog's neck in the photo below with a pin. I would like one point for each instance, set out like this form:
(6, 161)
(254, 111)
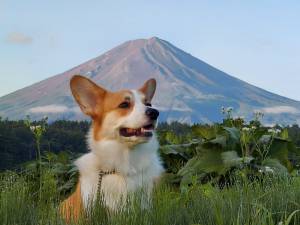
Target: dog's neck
(109, 155)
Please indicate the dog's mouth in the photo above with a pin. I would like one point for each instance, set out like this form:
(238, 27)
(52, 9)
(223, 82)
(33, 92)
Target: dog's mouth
(145, 131)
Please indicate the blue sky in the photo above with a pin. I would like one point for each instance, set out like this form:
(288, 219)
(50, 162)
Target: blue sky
(257, 41)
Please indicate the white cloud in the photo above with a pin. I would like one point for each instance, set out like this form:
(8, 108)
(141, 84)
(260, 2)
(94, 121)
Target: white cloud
(50, 109)
(18, 38)
(162, 108)
(280, 109)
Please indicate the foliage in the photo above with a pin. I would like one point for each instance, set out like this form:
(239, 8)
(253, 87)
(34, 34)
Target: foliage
(217, 152)
(228, 173)
(18, 144)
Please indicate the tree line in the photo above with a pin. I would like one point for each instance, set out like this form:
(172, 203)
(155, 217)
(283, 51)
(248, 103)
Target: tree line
(17, 145)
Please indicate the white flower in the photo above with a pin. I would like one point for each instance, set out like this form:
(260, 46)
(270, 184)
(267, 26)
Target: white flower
(274, 131)
(226, 110)
(253, 127)
(277, 131)
(246, 129)
(229, 109)
(271, 130)
(34, 128)
(268, 169)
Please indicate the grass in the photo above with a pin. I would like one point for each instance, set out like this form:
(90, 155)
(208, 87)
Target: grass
(274, 200)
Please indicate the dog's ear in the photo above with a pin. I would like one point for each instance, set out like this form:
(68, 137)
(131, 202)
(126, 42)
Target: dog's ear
(148, 89)
(87, 94)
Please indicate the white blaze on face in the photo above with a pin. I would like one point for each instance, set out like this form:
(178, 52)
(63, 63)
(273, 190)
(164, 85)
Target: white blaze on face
(137, 118)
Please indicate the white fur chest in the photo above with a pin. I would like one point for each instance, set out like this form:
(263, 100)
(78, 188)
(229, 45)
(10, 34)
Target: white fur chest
(135, 168)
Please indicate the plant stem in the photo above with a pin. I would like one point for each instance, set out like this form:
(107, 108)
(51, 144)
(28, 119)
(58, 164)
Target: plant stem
(39, 166)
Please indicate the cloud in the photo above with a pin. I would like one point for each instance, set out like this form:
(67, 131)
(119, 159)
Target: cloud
(280, 110)
(174, 108)
(50, 109)
(18, 38)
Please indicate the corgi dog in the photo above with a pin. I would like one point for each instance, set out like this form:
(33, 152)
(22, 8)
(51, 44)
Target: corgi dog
(123, 155)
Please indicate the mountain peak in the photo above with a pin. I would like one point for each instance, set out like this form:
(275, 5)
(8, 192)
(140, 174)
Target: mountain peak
(154, 39)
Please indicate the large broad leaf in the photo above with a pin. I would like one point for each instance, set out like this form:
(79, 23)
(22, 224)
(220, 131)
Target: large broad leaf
(284, 134)
(205, 132)
(265, 139)
(234, 134)
(233, 139)
(279, 149)
(210, 160)
(181, 150)
(274, 165)
(258, 133)
(231, 159)
(220, 140)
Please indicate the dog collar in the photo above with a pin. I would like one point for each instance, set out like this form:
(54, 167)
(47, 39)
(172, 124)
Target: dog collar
(101, 174)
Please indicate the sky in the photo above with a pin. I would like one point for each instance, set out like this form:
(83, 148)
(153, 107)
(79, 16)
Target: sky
(257, 41)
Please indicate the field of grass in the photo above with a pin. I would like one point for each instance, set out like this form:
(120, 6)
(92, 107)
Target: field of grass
(233, 173)
(272, 200)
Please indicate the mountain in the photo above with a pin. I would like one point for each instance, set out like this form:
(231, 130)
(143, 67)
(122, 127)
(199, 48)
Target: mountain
(189, 90)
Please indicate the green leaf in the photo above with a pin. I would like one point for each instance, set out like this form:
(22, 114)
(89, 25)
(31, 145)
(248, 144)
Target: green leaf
(219, 140)
(275, 165)
(279, 149)
(231, 158)
(258, 133)
(289, 219)
(234, 133)
(265, 139)
(179, 149)
(209, 161)
(205, 132)
(284, 134)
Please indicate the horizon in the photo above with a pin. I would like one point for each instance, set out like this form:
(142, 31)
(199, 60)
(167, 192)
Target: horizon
(42, 42)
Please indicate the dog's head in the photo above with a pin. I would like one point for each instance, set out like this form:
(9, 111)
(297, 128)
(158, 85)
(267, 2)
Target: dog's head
(126, 116)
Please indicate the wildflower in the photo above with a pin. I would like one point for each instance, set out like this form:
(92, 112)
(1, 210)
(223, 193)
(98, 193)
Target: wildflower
(226, 110)
(271, 130)
(229, 109)
(253, 128)
(268, 169)
(32, 128)
(274, 131)
(223, 110)
(277, 131)
(246, 129)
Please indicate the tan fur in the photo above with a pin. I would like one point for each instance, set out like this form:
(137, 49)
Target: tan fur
(110, 103)
(71, 209)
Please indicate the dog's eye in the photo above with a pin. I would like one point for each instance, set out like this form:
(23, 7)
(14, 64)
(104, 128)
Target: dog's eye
(148, 104)
(124, 105)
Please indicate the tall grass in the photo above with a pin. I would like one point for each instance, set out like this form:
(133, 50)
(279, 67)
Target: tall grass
(269, 201)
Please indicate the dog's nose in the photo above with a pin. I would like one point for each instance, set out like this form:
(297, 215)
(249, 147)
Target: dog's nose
(152, 113)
